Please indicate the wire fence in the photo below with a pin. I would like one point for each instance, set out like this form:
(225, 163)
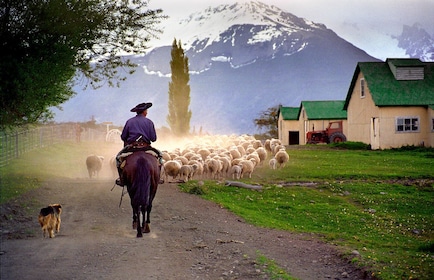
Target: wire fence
(15, 143)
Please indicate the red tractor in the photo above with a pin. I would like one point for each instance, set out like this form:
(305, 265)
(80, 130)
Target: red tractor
(332, 134)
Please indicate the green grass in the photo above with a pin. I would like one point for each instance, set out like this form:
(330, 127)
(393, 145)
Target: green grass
(380, 203)
(324, 163)
(272, 270)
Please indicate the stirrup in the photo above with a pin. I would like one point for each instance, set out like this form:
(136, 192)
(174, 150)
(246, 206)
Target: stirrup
(119, 182)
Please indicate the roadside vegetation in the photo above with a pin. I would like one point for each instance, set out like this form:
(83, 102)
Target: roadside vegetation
(377, 207)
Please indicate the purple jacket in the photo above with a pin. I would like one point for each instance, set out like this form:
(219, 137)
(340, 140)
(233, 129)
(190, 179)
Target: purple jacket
(139, 126)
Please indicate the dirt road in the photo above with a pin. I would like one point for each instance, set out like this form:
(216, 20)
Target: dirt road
(190, 239)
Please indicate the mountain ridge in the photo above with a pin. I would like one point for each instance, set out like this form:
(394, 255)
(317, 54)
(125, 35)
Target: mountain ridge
(235, 74)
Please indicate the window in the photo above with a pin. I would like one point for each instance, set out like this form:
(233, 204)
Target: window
(432, 124)
(362, 88)
(407, 124)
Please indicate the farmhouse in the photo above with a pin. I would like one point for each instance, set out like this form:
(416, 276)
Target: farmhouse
(388, 105)
(391, 104)
(295, 122)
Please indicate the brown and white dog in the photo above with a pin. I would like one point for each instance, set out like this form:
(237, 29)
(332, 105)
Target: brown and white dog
(49, 219)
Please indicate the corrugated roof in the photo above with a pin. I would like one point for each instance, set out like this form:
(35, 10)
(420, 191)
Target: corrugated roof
(387, 91)
(289, 113)
(325, 110)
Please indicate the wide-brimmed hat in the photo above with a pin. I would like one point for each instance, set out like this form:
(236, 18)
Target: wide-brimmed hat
(141, 107)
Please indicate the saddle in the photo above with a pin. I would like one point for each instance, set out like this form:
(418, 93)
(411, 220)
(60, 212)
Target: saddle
(135, 147)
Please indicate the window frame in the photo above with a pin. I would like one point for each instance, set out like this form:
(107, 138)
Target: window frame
(407, 124)
(362, 88)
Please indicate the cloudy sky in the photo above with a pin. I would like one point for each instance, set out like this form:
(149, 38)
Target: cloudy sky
(367, 24)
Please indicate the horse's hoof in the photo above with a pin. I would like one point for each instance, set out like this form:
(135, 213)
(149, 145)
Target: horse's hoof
(147, 229)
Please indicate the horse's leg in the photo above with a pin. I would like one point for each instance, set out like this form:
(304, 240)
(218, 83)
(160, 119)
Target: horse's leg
(134, 219)
(145, 226)
(147, 229)
(139, 228)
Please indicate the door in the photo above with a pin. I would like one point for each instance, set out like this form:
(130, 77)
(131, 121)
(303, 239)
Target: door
(294, 138)
(375, 133)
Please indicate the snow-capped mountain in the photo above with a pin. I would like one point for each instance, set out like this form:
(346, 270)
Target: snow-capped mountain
(416, 42)
(244, 58)
(238, 34)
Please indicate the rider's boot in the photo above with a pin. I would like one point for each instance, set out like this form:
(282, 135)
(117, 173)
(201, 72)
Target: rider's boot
(119, 181)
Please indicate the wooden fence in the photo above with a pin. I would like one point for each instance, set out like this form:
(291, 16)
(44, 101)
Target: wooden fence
(15, 143)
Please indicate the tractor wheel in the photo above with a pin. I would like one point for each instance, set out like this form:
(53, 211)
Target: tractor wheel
(337, 137)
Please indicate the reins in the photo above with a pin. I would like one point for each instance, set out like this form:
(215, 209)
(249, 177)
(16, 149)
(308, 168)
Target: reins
(122, 194)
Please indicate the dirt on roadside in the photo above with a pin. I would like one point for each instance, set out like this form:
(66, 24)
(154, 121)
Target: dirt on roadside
(190, 238)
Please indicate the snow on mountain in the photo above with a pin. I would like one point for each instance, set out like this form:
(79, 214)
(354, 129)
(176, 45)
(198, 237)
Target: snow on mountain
(210, 23)
(239, 34)
(244, 58)
(416, 42)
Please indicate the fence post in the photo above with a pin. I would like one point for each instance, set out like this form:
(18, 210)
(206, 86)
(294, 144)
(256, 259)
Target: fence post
(16, 144)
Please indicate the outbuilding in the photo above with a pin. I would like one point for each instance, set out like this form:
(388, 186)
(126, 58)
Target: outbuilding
(310, 116)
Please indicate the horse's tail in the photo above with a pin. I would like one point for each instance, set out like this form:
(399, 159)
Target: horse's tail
(142, 183)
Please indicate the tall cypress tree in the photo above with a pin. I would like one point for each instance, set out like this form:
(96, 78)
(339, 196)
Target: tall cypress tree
(179, 92)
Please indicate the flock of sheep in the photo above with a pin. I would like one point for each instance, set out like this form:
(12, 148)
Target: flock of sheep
(211, 157)
(219, 157)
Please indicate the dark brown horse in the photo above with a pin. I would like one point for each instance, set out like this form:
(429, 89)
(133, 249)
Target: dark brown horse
(141, 174)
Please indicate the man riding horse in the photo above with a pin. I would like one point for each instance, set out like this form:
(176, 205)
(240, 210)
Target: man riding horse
(138, 134)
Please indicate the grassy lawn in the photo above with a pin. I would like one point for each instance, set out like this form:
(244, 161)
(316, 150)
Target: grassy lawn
(376, 206)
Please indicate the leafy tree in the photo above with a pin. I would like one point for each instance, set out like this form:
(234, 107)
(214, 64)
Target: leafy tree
(268, 121)
(179, 92)
(44, 44)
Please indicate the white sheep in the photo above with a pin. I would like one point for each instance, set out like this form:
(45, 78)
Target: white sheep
(198, 167)
(282, 158)
(236, 171)
(235, 153)
(226, 165)
(254, 156)
(248, 167)
(250, 149)
(182, 159)
(189, 155)
(241, 149)
(204, 153)
(278, 148)
(273, 144)
(166, 156)
(267, 145)
(262, 153)
(186, 172)
(214, 167)
(257, 144)
(272, 163)
(171, 168)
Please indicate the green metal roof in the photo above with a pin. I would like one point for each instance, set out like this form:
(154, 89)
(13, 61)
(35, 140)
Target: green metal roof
(387, 91)
(325, 110)
(403, 62)
(289, 113)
